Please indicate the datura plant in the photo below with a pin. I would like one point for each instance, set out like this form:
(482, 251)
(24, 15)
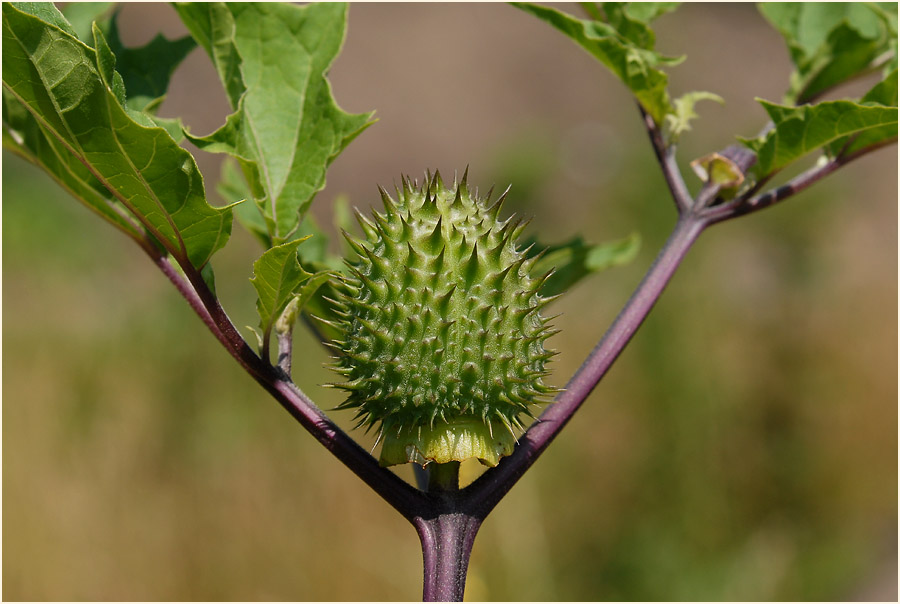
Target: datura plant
(442, 334)
(437, 321)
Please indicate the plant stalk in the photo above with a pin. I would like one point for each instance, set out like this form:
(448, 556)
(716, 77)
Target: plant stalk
(443, 477)
(447, 534)
(801, 182)
(491, 486)
(404, 498)
(447, 519)
(665, 155)
(447, 541)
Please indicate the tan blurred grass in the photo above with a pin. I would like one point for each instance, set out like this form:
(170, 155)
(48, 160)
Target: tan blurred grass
(743, 448)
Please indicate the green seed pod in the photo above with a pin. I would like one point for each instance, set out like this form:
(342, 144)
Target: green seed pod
(443, 340)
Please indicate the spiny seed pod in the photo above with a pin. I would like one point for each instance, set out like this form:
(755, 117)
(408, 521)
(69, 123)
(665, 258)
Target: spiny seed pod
(443, 340)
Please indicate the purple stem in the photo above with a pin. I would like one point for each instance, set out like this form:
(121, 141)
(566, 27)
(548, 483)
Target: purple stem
(187, 292)
(487, 491)
(285, 350)
(665, 155)
(407, 500)
(447, 521)
(742, 206)
(448, 532)
(447, 541)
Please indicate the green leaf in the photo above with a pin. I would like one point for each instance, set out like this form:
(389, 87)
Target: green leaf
(800, 130)
(883, 93)
(317, 309)
(648, 11)
(574, 260)
(310, 289)
(287, 128)
(23, 135)
(233, 188)
(81, 15)
(172, 125)
(211, 25)
(74, 95)
(622, 43)
(633, 30)
(146, 70)
(343, 222)
(678, 122)
(49, 14)
(277, 277)
(831, 42)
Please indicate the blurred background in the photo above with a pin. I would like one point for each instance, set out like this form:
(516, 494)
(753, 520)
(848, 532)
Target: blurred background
(743, 447)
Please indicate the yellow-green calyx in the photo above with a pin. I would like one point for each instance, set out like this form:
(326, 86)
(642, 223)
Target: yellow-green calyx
(443, 340)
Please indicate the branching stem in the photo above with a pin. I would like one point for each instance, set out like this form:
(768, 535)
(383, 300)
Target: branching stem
(187, 292)
(665, 155)
(446, 518)
(747, 205)
(496, 482)
(406, 499)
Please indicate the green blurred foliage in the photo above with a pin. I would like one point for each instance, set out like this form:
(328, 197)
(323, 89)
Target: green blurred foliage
(743, 447)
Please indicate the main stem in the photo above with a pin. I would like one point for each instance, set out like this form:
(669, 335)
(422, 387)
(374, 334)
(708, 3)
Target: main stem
(447, 540)
(447, 532)
(448, 528)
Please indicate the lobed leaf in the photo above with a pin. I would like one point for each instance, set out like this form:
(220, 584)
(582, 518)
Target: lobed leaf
(286, 129)
(314, 254)
(883, 93)
(574, 260)
(23, 135)
(46, 12)
(648, 11)
(801, 130)
(624, 44)
(679, 121)
(233, 188)
(75, 98)
(81, 16)
(146, 70)
(278, 279)
(832, 42)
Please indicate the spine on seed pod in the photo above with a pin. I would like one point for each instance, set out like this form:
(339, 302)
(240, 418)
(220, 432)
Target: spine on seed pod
(442, 344)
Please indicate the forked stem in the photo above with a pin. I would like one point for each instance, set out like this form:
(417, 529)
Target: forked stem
(487, 491)
(447, 536)
(445, 517)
